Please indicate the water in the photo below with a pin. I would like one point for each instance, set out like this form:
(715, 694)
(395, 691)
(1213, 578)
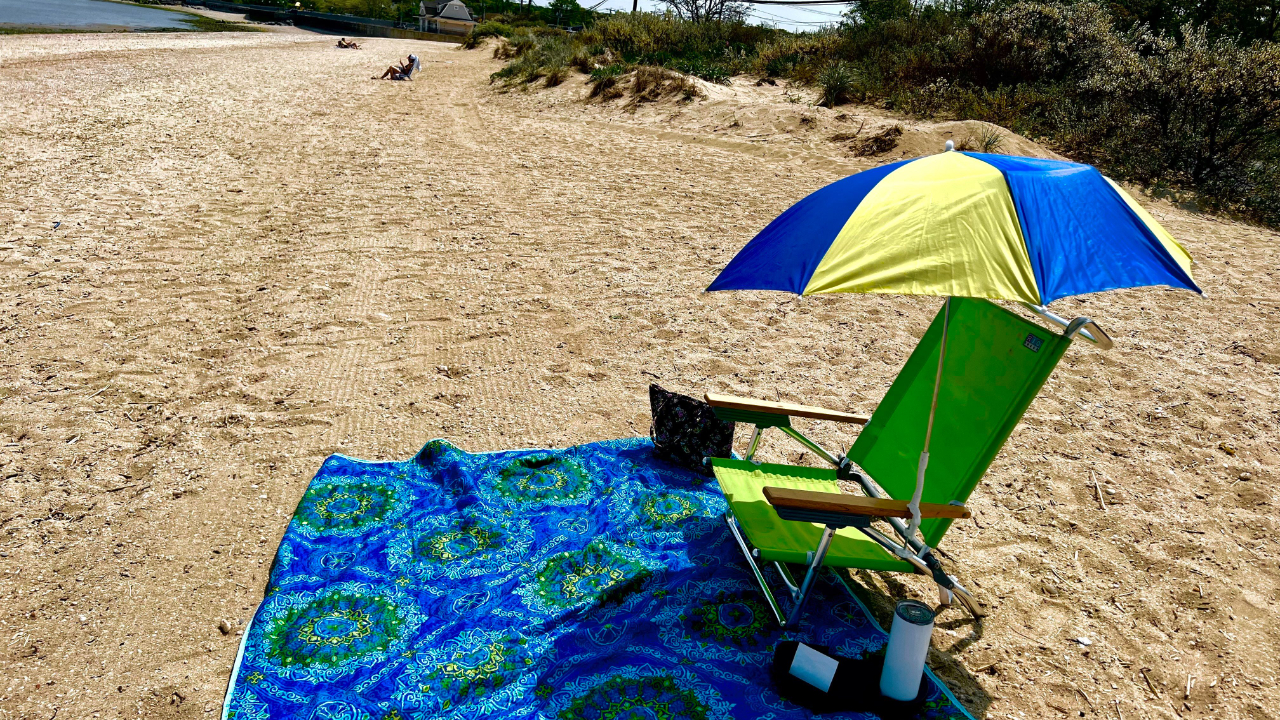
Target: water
(86, 13)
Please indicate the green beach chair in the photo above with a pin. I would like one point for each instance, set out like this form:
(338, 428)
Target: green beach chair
(995, 364)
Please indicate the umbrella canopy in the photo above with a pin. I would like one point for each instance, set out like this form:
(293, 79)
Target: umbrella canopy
(964, 224)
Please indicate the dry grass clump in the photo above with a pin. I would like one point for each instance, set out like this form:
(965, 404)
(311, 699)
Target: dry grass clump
(987, 139)
(556, 74)
(486, 30)
(504, 50)
(645, 84)
(881, 142)
(878, 144)
(605, 82)
(651, 84)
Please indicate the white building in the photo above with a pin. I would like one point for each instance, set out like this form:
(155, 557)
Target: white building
(450, 18)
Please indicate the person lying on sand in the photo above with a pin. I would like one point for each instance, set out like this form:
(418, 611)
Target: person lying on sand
(402, 72)
(349, 44)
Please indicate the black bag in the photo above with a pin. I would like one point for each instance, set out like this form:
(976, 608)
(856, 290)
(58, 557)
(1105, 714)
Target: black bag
(855, 687)
(685, 430)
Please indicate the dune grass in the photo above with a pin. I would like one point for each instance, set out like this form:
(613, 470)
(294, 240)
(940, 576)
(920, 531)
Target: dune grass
(1197, 108)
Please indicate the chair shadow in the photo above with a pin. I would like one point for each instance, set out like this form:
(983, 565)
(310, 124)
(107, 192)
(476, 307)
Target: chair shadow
(945, 663)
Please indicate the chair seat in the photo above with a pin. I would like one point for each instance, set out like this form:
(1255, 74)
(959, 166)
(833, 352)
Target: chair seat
(785, 540)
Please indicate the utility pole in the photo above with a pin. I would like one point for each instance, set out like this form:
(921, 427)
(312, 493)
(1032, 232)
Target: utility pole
(635, 5)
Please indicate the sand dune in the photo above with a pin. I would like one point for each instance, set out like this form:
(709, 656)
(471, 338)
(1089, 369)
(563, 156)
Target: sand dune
(265, 257)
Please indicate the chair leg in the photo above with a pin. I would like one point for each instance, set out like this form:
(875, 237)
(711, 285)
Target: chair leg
(732, 522)
(810, 577)
(793, 590)
(755, 443)
(967, 599)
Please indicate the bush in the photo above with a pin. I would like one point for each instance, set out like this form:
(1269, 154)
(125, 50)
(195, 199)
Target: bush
(837, 83)
(987, 139)
(651, 84)
(702, 68)
(556, 74)
(486, 30)
(533, 56)
(1198, 112)
(1194, 108)
(604, 81)
(796, 56)
(1186, 110)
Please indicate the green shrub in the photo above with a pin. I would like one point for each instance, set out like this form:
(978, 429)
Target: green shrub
(1195, 111)
(702, 68)
(533, 56)
(484, 30)
(556, 74)
(796, 56)
(1195, 108)
(604, 81)
(651, 84)
(837, 82)
(987, 139)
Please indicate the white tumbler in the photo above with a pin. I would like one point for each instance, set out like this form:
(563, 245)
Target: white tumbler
(908, 645)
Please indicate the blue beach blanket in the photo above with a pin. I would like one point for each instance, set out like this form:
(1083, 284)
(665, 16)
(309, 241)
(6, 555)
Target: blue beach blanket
(594, 582)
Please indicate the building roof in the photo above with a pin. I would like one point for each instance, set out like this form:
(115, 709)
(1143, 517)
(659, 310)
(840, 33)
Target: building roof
(454, 10)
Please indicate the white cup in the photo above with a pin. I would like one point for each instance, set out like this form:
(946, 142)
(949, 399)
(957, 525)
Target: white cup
(908, 645)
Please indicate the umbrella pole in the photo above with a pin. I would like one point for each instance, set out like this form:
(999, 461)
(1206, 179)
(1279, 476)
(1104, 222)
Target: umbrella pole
(914, 505)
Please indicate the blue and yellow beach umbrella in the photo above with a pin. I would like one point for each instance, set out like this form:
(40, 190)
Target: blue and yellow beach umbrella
(964, 224)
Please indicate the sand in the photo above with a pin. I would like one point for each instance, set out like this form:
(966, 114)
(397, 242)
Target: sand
(264, 257)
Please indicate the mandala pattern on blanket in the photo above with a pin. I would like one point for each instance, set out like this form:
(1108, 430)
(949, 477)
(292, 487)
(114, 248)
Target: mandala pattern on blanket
(593, 582)
(580, 578)
(437, 547)
(323, 635)
(352, 505)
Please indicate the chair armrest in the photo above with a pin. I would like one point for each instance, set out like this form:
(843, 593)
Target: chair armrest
(780, 408)
(808, 501)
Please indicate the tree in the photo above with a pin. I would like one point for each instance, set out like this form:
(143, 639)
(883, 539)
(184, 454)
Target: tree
(874, 12)
(1247, 20)
(708, 10)
(567, 12)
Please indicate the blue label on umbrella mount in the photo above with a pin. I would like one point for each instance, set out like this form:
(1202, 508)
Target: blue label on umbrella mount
(1032, 343)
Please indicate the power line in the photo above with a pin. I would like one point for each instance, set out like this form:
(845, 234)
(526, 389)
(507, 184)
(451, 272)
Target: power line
(796, 2)
(789, 21)
(761, 13)
(819, 12)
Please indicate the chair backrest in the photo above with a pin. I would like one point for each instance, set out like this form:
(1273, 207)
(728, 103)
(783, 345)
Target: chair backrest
(996, 363)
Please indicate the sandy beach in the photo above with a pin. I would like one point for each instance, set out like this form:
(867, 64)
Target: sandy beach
(224, 257)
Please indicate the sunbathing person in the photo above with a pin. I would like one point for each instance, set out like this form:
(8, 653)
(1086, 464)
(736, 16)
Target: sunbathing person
(350, 44)
(402, 72)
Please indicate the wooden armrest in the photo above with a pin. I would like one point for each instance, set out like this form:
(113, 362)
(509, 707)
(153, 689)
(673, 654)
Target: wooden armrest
(781, 408)
(826, 502)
